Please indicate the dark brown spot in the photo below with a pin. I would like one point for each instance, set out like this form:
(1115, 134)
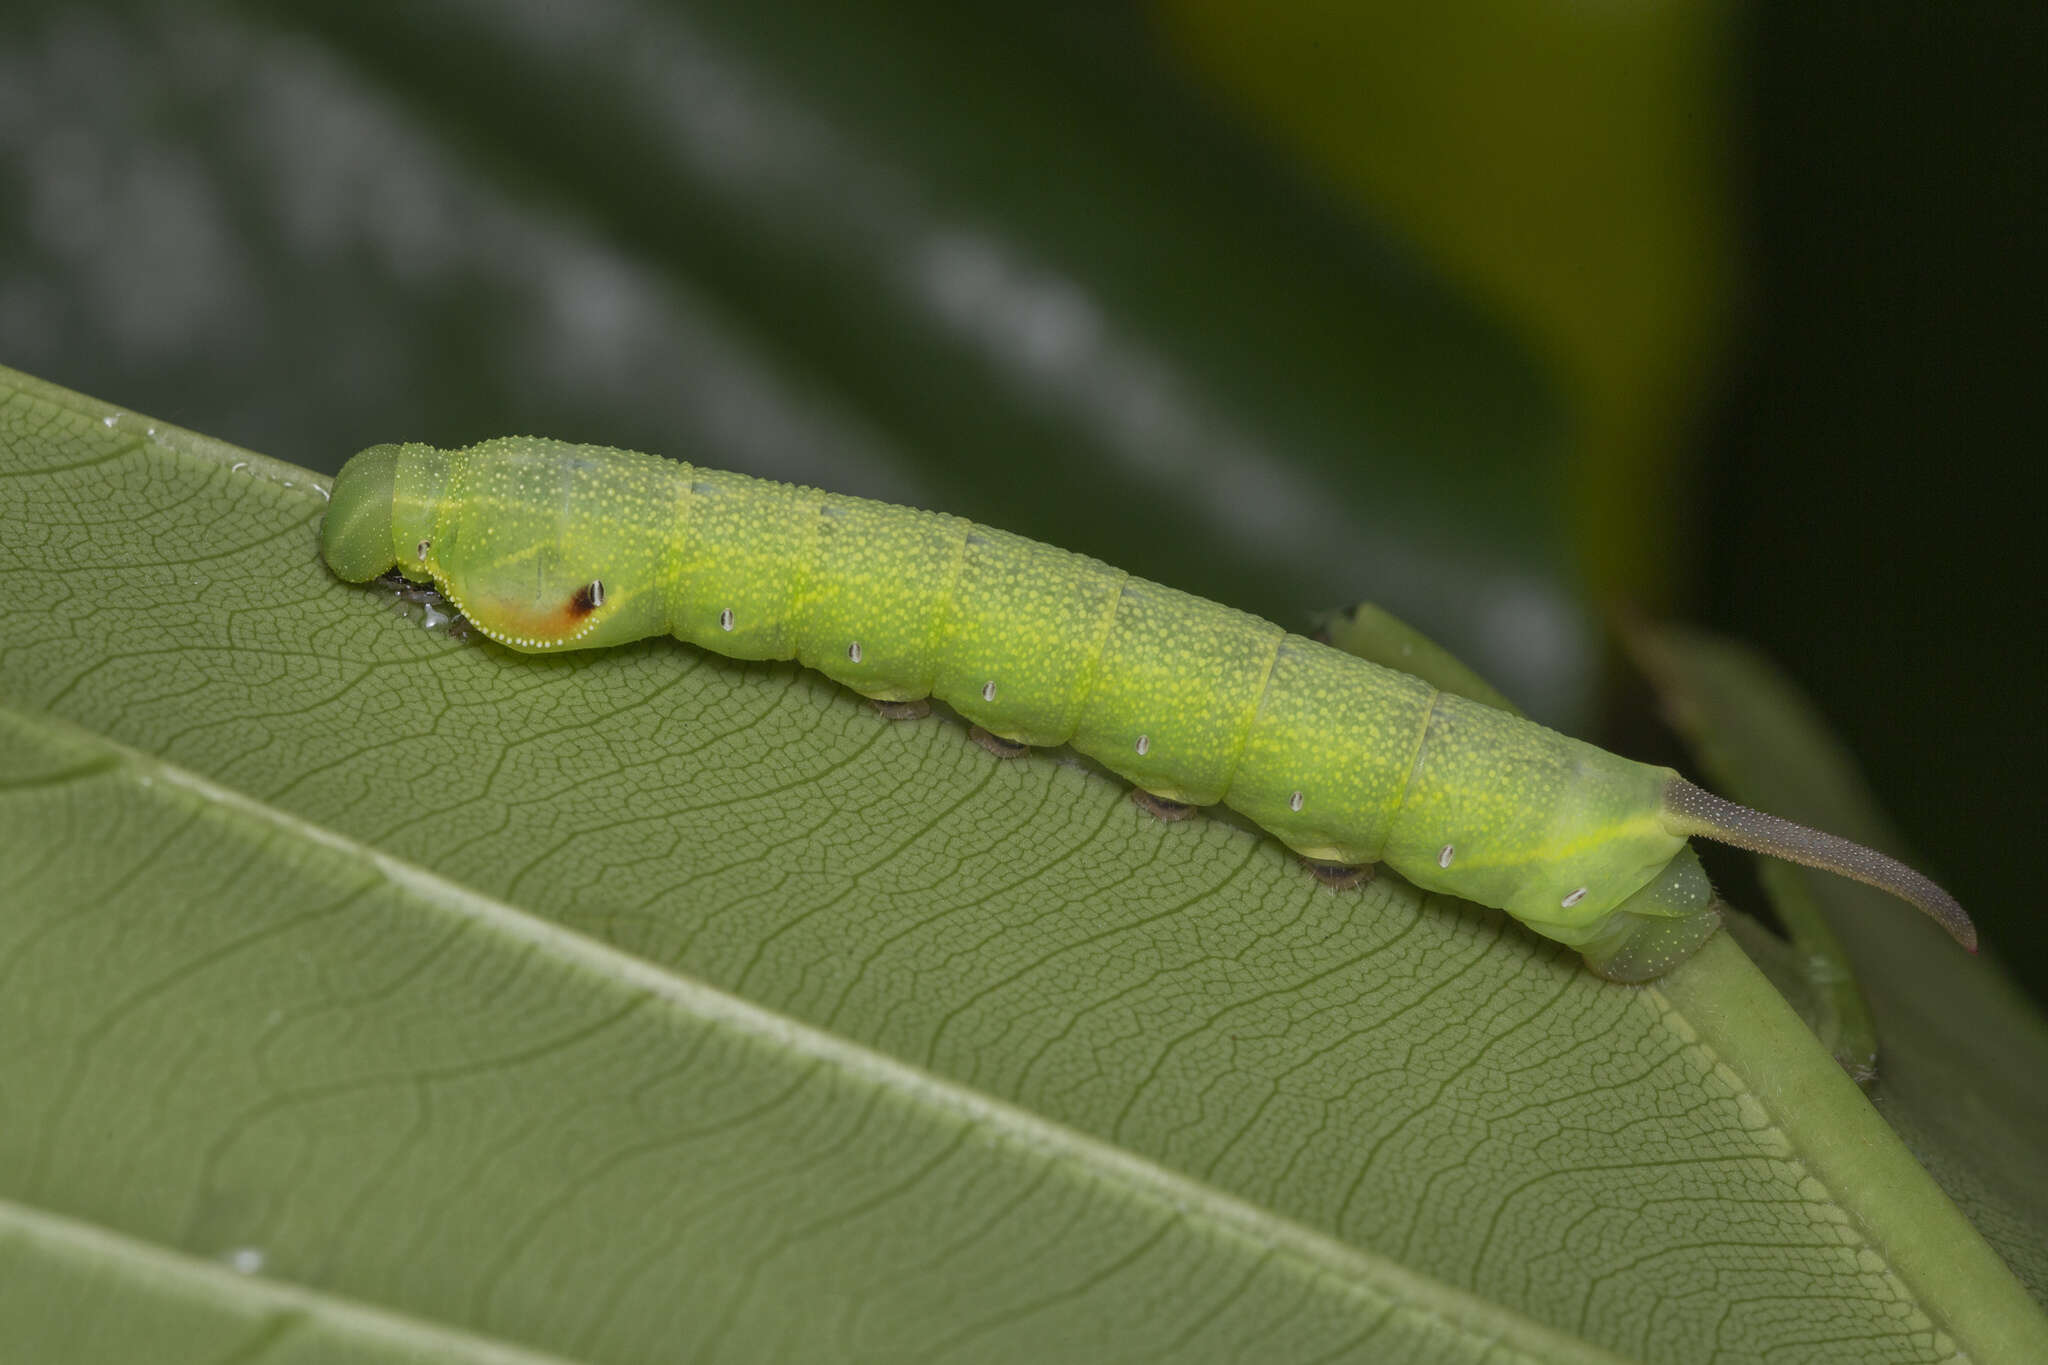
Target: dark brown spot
(1340, 876)
(1160, 806)
(997, 745)
(588, 598)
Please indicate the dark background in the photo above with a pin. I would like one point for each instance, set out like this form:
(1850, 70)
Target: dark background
(1025, 265)
(1870, 472)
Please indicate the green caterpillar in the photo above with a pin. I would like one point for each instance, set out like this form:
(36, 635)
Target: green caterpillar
(545, 546)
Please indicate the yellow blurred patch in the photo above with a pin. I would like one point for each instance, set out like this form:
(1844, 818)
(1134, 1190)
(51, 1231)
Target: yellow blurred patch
(1570, 161)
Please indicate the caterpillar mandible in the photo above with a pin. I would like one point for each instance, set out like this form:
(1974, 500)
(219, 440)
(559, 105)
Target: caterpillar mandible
(545, 545)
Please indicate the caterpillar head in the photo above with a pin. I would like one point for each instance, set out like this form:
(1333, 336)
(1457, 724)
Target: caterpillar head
(356, 537)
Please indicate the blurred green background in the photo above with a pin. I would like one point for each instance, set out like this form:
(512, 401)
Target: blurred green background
(1500, 314)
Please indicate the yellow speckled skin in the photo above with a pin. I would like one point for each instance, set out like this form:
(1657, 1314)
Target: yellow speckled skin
(546, 546)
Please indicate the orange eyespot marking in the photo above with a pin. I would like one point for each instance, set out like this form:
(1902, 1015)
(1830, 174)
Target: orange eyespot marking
(523, 622)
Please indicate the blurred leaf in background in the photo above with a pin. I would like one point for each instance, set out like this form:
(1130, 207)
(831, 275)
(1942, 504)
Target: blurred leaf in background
(915, 251)
(1571, 162)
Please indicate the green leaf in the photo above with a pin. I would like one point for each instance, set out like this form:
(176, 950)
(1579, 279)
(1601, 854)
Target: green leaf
(1961, 1070)
(640, 1004)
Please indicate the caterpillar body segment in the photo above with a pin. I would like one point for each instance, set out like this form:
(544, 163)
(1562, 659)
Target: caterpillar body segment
(546, 546)
(1645, 936)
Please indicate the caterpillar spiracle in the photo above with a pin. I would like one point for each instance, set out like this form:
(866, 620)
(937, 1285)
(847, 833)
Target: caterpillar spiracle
(547, 546)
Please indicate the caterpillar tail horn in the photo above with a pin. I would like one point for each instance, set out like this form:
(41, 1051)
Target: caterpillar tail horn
(1690, 810)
